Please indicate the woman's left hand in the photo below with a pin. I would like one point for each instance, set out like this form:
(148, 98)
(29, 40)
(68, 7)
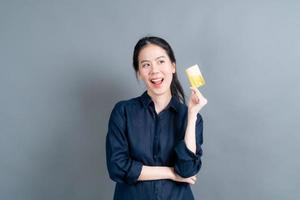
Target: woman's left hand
(196, 102)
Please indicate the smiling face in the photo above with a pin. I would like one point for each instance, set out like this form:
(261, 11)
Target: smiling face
(156, 70)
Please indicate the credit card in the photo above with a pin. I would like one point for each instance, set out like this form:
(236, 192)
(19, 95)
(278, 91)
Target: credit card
(195, 76)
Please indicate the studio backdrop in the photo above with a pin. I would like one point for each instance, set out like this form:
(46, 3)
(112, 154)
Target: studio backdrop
(64, 64)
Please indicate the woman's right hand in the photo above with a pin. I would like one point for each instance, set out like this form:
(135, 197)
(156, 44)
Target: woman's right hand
(177, 178)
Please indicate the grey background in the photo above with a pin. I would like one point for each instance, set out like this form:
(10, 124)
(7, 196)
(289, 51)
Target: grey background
(64, 64)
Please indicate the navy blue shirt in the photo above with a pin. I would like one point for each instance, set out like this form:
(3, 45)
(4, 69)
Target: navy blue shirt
(138, 136)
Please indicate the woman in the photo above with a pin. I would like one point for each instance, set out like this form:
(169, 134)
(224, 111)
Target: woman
(153, 144)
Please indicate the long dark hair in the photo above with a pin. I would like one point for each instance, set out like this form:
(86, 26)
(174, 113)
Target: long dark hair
(176, 88)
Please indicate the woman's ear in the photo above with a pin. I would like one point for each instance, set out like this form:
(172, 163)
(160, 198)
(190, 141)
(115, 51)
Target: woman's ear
(173, 68)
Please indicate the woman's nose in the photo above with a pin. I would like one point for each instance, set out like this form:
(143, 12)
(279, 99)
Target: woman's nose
(154, 68)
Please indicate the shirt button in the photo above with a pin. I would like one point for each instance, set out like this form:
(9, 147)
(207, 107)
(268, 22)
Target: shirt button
(155, 156)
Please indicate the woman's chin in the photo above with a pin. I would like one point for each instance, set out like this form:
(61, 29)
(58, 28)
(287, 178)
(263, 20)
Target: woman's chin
(158, 92)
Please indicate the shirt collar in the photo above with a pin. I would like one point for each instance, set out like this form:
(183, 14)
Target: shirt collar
(146, 100)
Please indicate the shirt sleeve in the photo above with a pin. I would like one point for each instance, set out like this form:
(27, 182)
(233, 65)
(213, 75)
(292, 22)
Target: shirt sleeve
(120, 166)
(187, 163)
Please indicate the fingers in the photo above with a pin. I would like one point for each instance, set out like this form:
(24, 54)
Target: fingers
(192, 180)
(194, 96)
(196, 91)
(198, 94)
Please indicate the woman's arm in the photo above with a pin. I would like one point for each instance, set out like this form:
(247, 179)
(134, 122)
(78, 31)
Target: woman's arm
(161, 172)
(188, 150)
(155, 173)
(121, 167)
(197, 101)
(190, 133)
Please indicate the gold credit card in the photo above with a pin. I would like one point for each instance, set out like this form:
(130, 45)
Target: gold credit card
(195, 76)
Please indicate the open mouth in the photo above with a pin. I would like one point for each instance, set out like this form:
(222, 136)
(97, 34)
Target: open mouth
(157, 81)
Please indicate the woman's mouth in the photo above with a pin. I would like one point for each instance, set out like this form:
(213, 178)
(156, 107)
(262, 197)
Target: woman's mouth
(157, 81)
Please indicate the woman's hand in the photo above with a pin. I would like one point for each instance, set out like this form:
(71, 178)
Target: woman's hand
(177, 178)
(190, 180)
(196, 102)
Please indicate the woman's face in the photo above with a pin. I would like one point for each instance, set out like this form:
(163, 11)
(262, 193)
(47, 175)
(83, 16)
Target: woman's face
(155, 69)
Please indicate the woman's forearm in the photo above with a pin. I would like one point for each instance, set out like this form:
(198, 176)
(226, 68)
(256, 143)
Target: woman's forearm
(150, 173)
(196, 103)
(190, 133)
(156, 173)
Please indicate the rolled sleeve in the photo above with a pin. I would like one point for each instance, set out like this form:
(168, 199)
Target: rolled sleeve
(188, 163)
(121, 167)
(134, 172)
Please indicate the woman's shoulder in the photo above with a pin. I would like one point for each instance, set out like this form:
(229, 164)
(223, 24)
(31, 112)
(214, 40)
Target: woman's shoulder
(124, 104)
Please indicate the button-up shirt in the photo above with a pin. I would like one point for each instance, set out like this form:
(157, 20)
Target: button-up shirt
(138, 136)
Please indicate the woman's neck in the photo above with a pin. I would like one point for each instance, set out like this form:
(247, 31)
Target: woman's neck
(160, 101)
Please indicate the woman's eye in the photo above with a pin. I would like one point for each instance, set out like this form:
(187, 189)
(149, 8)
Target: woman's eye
(145, 65)
(161, 61)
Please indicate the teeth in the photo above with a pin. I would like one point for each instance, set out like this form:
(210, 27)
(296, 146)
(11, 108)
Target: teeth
(156, 80)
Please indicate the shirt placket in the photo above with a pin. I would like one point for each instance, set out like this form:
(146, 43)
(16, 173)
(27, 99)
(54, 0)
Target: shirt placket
(156, 152)
(156, 140)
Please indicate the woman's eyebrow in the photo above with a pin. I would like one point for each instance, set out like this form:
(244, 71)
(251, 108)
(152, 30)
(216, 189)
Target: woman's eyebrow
(155, 59)
(160, 57)
(145, 61)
